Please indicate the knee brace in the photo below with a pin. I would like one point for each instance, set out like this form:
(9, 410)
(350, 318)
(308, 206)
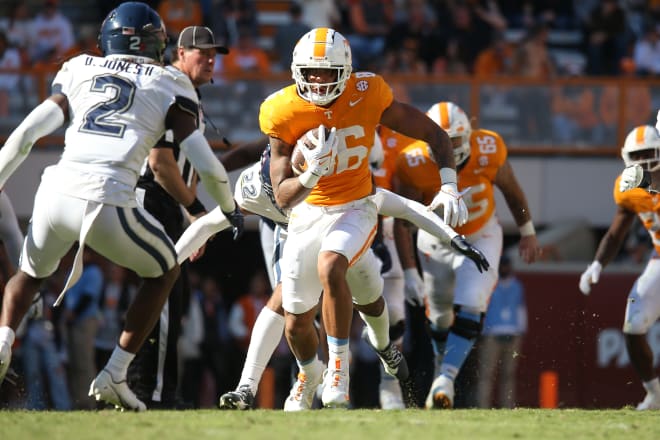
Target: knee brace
(468, 324)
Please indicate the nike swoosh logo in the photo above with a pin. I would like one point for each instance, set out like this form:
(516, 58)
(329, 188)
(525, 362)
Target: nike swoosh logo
(354, 103)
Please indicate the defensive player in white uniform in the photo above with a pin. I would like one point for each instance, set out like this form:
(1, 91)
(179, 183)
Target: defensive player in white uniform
(253, 193)
(117, 106)
(641, 152)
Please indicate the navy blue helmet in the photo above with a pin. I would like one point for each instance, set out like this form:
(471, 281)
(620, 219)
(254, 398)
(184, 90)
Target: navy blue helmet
(133, 28)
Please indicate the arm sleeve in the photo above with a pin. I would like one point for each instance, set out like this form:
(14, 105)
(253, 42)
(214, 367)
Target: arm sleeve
(43, 120)
(211, 172)
(393, 205)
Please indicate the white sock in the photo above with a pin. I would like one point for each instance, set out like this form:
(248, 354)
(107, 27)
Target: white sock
(337, 354)
(378, 328)
(652, 386)
(118, 363)
(7, 335)
(266, 336)
(311, 367)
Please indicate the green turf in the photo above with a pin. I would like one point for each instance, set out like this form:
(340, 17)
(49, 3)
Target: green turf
(565, 424)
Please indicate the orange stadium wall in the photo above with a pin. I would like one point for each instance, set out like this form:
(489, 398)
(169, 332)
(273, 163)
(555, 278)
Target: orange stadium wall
(579, 338)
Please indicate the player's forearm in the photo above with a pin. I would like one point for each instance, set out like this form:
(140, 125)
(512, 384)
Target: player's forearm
(442, 151)
(170, 179)
(517, 204)
(211, 172)
(43, 120)
(290, 192)
(394, 205)
(199, 232)
(608, 248)
(404, 244)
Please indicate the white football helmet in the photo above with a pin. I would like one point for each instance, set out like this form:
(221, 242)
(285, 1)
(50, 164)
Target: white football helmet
(455, 122)
(321, 48)
(642, 147)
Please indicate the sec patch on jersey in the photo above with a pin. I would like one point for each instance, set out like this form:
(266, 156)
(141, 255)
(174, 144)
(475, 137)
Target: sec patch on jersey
(309, 140)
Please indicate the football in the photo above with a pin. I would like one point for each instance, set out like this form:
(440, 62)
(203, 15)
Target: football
(298, 163)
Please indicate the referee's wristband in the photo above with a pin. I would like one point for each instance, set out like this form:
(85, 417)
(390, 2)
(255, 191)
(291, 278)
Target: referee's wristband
(527, 229)
(196, 207)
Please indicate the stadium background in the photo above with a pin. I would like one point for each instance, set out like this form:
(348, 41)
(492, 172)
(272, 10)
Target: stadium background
(564, 136)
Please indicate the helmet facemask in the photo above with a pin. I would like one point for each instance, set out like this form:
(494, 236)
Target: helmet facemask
(461, 146)
(320, 93)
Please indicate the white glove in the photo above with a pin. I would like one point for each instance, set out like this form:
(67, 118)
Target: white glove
(326, 148)
(321, 159)
(590, 276)
(455, 210)
(631, 177)
(413, 287)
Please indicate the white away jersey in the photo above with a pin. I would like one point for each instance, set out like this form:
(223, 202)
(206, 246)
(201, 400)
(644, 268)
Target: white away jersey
(117, 113)
(251, 195)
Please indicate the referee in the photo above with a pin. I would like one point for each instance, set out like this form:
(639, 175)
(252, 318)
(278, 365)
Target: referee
(168, 182)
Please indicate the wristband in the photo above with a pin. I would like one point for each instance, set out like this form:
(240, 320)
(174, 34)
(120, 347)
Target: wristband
(527, 229)
(308, 179)
(448, 175)
(8, 335)
(196, 207)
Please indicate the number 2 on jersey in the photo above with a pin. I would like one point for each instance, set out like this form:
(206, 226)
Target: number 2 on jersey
(98, 119)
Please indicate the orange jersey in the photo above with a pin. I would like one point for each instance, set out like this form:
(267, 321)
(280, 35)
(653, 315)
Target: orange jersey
(415, 168)
(355, 114)
(393, 142)
(645, 205)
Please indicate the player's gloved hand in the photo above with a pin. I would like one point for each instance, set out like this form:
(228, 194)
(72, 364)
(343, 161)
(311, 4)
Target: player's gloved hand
(320, 159)
(590, 276)
(236, 219)
(413, 287)
(455, 210)
(634, 176)
(383, 254)
(460, 244)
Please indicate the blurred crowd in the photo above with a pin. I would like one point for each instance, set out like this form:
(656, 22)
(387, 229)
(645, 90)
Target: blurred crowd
(481, 37)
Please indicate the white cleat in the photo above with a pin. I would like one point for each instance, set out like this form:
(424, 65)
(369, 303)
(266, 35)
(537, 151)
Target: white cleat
(335, 389)
(105, 388)
(390, 395)
(651, 401)
(302, 393)
(5, 359)
(441, 395)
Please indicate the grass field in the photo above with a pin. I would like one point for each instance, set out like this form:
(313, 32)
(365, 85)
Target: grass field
(565, 424)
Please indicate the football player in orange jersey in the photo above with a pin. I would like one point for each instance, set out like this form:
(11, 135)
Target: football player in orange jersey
(333, 218)
(641, 148)
(457, 293)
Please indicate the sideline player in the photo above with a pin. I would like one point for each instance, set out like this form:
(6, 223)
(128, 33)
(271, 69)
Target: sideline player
(457, 294)
(641, 149)
(118, 106)
(333, 215)
(253, 193)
